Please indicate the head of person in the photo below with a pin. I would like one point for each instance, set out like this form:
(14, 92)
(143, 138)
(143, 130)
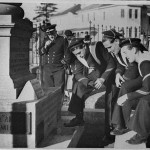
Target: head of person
(50, 30)
(111, 40)
(87, 38)
(69, 35)
(86, 33)
(131, 48)
(77, 47)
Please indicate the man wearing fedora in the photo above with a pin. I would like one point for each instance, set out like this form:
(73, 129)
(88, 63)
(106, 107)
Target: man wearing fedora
(56, 57)
(89, 77)
(69, 35)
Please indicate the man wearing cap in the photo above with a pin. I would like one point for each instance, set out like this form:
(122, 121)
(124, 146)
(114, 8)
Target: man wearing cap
(138, 99)
(124, 70)
(132, 85)
(56, 57)
(88, 78)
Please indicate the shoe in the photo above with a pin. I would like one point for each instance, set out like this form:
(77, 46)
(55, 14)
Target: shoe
(74, 122)
(137, 139)
(117, 131)
(107, 139)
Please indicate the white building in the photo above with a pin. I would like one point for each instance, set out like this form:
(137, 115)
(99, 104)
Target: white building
(95, 18)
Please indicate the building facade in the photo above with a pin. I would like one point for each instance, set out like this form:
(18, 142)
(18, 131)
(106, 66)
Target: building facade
(131, 20)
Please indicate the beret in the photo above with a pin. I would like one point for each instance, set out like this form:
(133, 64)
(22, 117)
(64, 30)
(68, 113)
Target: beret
(111, 34)
(69, 33)
(75, 42)
(130, 41)
(47, 27)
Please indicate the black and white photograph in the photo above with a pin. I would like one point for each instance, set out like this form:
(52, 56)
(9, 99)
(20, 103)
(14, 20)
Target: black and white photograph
(75, 74)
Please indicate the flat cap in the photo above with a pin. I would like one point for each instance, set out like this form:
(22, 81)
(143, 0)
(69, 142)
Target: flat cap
(130, 41)
(111, 34)
(47, 27)
(75, 42)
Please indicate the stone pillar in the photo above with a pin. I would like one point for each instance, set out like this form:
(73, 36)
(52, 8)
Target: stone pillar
(15, 34)
(27, 114)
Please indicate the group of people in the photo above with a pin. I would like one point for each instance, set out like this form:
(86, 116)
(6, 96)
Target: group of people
(123, 68)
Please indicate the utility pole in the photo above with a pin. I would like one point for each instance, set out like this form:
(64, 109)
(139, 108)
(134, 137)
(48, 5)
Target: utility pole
(90, 26)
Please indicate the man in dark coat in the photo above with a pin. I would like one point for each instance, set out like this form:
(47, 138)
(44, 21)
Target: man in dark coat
(137, 98)
(124, 71)
(68, 35)
(56, 57)
(88, 78)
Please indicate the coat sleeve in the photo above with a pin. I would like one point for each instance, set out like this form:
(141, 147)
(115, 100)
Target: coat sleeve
(42, 49)
(67, 53)
(77, 70)
(106, 60)
(110, 64)
(120, 69)
(145, 89)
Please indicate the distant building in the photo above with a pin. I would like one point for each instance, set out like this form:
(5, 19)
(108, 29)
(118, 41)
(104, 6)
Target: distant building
(67, 19)
(131, 20)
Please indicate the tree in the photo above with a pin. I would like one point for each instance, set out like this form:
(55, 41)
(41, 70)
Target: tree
(45, 11)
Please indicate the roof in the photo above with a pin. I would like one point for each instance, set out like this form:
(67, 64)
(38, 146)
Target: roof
(73, 10)
(94, 6)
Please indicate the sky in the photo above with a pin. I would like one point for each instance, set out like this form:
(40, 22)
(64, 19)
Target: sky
(30, 7)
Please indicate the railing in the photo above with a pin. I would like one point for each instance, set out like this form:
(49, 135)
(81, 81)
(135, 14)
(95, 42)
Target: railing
(38, 37)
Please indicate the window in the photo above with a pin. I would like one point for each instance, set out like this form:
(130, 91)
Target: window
(135, 32)
(82, 18)
(136, 13)
(88, 17)
(103, 15)
(122, 13)
(130, 13)
(130, 32)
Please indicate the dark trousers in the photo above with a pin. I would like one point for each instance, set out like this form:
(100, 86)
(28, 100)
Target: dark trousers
(121, 114)
(140, 121)
(110, 101)
(79, 95)
(53, 79)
